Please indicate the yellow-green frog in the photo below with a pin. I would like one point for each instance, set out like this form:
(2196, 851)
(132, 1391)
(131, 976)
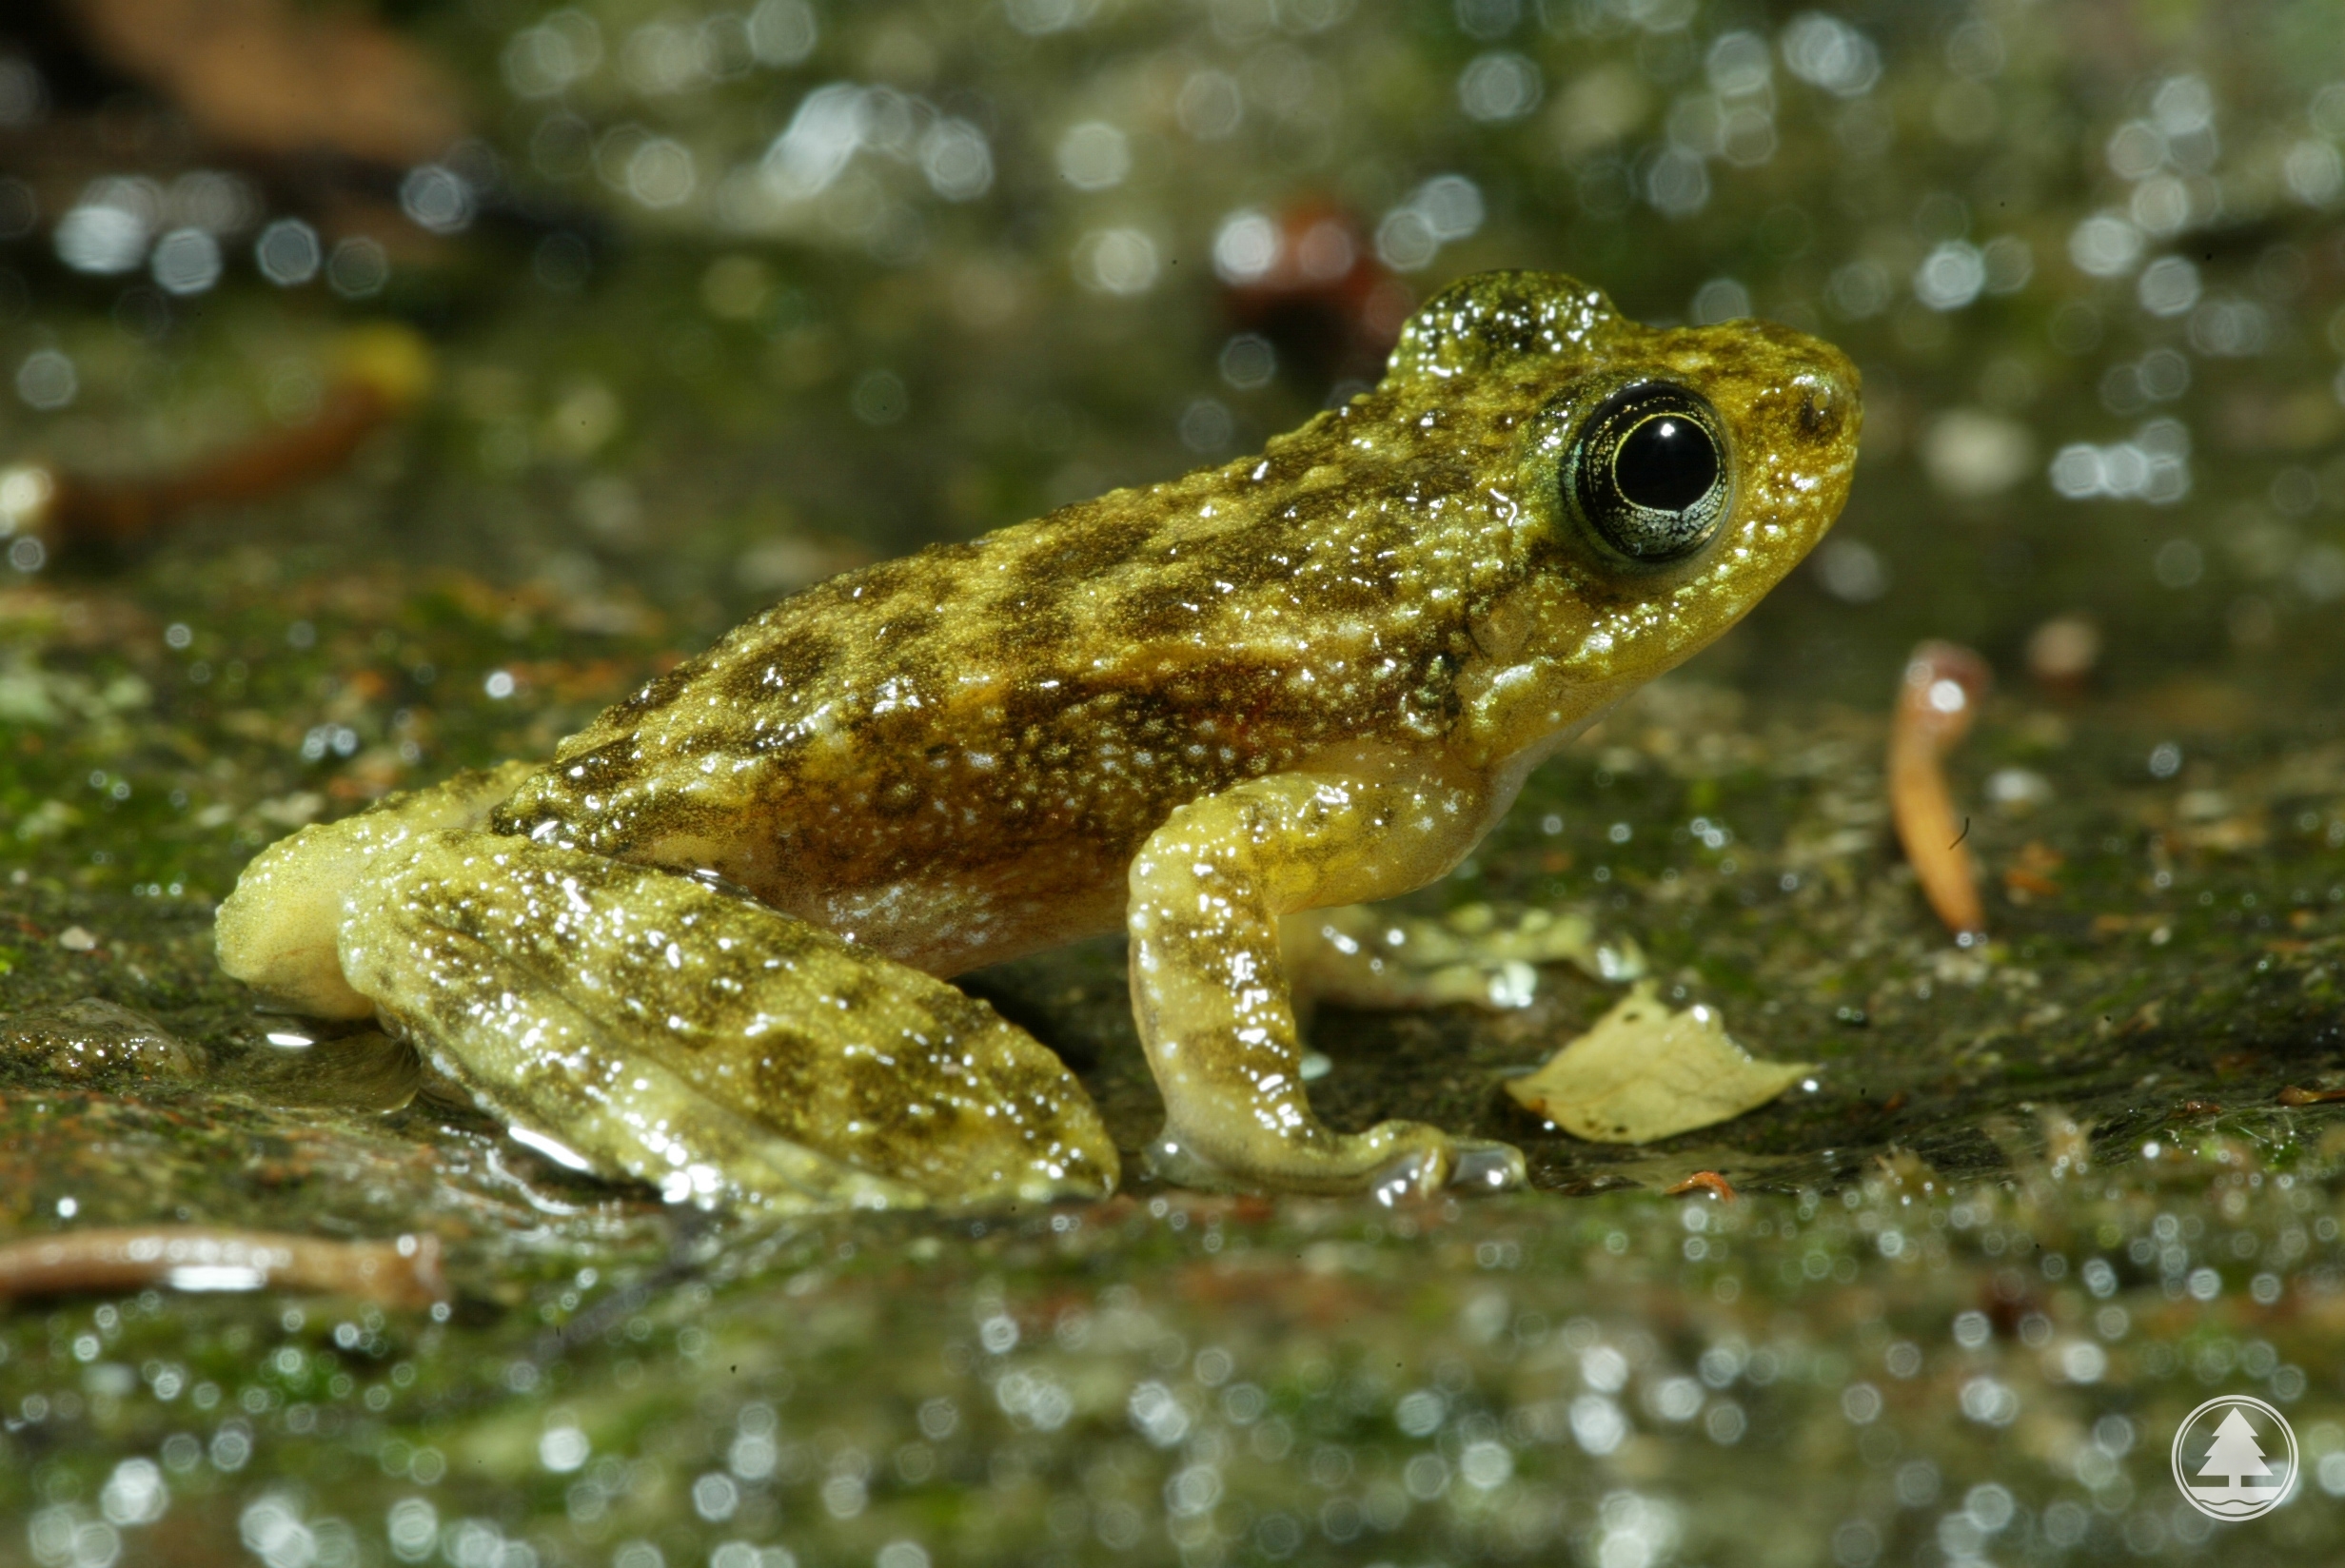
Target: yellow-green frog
(703, 945)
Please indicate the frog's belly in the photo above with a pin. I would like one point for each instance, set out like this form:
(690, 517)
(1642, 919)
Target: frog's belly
(940, 911)
(946, 927)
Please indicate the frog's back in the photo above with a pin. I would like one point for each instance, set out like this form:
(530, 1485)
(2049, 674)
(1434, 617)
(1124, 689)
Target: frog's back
(972, 741)
(1061, 685)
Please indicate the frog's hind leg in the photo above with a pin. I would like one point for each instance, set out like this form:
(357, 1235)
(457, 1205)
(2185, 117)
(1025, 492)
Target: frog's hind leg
(277, 931)
(651, 1023)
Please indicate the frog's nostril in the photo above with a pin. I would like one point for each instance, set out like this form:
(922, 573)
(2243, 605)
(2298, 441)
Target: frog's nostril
(1823, 407)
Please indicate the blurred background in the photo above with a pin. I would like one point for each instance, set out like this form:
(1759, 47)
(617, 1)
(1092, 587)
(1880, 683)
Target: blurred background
(699, 305)
(387, 387)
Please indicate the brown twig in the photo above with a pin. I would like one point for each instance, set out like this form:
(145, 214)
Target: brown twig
(2294, 1096)
(1936, 703)
(93, 511)
(402, 1273)
(279, 78)
(385, 369)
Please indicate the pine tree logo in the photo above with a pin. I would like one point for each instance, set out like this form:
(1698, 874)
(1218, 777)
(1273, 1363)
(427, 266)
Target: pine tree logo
(2234, 1458)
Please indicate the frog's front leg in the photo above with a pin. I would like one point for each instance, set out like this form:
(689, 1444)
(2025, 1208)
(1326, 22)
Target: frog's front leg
(1210, 990)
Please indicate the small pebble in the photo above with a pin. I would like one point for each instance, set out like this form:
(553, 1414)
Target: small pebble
(2016, 790)
(76, 939)
(1974, 454)
(2062, 651)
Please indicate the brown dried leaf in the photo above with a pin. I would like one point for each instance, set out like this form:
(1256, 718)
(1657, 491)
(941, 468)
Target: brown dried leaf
(1646, 1073)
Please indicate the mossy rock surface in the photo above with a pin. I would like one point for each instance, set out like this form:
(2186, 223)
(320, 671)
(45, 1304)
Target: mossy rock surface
(2048, 1193)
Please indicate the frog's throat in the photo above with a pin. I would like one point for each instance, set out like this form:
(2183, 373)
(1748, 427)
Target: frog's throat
(1549, 663)
(1508, 775)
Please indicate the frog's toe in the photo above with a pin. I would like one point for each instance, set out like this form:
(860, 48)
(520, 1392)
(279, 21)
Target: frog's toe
(1361, 955)
(1415, 1174)
(1462, 1164)
(1486, 1165)
(1177, 1159)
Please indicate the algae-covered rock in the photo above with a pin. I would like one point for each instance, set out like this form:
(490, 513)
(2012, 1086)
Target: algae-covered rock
(94, 1042)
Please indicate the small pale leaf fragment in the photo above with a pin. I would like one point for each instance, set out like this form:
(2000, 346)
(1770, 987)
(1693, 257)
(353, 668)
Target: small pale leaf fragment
(1646, 1072)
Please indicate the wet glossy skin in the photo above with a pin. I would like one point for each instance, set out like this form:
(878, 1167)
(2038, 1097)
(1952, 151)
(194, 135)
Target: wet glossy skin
(1309, 677)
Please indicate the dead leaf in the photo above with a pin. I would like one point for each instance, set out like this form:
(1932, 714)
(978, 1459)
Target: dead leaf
(281, 79)
(1646, 1073)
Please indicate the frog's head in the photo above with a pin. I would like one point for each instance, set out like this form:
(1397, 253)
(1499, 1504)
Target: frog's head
(1658, 481)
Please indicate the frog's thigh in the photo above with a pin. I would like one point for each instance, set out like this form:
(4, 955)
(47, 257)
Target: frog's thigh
(658, 1025)
(1210, 990)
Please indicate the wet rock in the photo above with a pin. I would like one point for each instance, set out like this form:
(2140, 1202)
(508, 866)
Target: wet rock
(94, 1042)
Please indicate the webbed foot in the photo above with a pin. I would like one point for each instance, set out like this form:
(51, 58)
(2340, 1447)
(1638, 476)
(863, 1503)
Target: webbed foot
(1358, 956)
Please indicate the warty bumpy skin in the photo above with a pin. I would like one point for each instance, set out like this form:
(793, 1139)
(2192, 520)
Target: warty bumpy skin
(1312, 676)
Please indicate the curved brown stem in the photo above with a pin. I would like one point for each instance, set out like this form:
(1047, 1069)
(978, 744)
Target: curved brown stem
(1936, 703)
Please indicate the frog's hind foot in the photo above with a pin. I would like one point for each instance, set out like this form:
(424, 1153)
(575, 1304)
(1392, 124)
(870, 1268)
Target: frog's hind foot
(1359, 955)
(638, 1021)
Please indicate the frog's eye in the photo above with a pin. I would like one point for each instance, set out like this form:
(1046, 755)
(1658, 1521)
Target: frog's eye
(1648, 472)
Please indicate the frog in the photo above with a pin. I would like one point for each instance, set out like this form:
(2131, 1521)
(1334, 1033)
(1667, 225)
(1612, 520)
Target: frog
(710, 944)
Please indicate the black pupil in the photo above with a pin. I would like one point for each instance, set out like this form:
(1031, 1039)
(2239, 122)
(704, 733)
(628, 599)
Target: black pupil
(1666, 465)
